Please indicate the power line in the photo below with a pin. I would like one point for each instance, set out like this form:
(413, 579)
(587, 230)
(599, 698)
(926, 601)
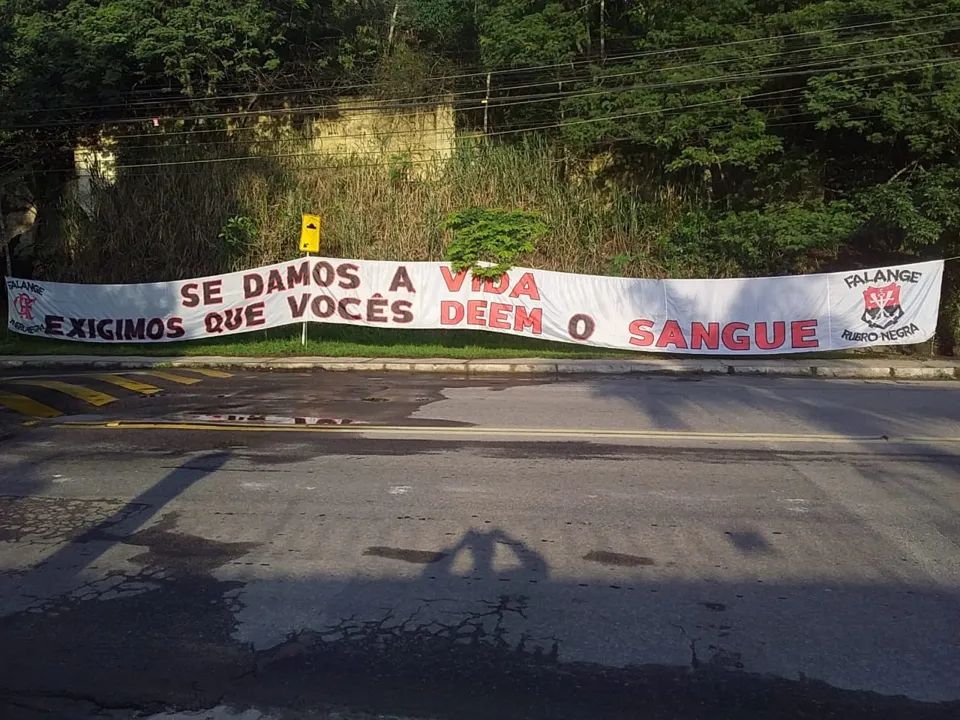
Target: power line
(509, 101)
(716, 62)
(776, 121)
(354, 152)
(629, 56)
(350, 165)
(361, 151)
(502, 133)
(611, 58)
(801, 50)
(779, 73)
(652, 53)
(384, 134)
(542, 97)
(722, 126)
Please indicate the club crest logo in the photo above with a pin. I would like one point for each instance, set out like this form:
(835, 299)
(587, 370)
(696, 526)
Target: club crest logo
(23, 304)
(881, 306)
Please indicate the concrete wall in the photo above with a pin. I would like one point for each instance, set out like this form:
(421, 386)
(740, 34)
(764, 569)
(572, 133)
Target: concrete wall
(419, 140)
(18, 229)
(362, 131)
(94, 166)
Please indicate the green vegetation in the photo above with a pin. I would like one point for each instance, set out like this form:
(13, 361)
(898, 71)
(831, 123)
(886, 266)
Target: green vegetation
(672, 137)
(150, 224)
(326, 341)
(363, 342)
(499, 237)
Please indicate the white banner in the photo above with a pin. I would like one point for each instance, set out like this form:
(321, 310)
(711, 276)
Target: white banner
(884, 306)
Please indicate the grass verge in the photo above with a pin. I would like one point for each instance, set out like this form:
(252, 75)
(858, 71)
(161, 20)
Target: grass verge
(325, 341)
(363, 342)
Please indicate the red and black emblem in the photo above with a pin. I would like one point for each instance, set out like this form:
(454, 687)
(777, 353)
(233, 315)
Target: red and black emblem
(23, 304)
(881, 306)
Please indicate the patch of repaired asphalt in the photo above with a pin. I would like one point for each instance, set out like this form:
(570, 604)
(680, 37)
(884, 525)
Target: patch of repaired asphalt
(169, 643)
(359, 397)
(56, 519)
(147, 639)
(270, 449)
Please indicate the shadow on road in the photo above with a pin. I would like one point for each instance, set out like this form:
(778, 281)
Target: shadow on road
(479, 626)
(28, 510)
(471, 635)
(825, 406)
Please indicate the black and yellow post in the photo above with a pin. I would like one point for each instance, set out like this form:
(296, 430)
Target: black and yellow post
(309, 243)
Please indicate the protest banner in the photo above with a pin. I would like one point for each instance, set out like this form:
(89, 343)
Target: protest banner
(881, 306)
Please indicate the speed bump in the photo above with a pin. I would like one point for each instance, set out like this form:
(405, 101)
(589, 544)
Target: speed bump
(88, 395)
(128, 384)
(172, 377)
(27, 406)
(78, 387)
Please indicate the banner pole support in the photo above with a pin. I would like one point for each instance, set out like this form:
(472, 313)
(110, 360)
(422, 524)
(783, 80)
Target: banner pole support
(309, 243)
(303, 330)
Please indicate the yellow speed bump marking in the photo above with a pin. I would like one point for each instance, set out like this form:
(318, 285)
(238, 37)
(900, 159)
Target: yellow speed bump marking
(209, 372)
(128, 384)
(172, 377)
(27, 406)
(93, 397)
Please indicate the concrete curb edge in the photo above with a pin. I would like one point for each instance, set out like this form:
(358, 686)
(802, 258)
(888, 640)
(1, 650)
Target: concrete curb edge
(862, 369)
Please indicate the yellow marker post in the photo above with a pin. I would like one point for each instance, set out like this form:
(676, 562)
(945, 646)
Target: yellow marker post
(310, 234)
(309, 243)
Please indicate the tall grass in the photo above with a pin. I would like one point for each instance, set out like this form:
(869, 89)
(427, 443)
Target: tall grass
(165, 222)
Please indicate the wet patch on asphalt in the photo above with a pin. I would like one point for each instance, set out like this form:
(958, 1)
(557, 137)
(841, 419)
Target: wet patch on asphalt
(417, 557)
(714, 606)
(618, 559)
(359, 397)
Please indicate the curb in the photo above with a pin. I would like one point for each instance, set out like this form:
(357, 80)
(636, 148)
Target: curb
(832, 369)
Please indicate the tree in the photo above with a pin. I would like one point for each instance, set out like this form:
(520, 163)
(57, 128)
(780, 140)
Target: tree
(72, 66)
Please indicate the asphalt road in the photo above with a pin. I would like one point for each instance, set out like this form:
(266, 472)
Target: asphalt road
(424, 546)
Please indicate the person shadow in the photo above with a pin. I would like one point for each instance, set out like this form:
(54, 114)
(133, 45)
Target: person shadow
(79, 545)
(491, 556)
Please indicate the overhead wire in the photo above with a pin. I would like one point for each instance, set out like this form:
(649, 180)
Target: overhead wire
(620, 89)
(776, 121)
(353, 156)
(380, 135)
(374, 110)
(629, 56)
(385, 163)
(510, 101)
(553, 96)
(502, 133)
